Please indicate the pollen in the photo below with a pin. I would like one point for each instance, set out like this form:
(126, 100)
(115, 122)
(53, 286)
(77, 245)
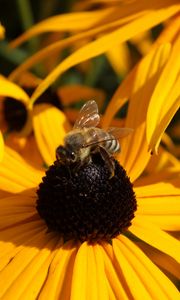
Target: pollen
(85, 204)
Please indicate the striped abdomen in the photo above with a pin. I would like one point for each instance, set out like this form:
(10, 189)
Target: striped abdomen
(112, 146)
(102, 138)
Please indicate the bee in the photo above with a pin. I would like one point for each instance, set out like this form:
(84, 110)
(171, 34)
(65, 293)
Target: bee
(85, 139)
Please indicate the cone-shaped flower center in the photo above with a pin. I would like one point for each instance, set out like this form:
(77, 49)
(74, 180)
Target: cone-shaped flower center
(16, 114)
(86, 204)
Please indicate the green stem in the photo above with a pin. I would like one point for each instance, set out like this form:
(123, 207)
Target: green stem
(27, 21)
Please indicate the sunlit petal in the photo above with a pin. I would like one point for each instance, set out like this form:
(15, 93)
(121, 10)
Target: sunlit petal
(50, 127)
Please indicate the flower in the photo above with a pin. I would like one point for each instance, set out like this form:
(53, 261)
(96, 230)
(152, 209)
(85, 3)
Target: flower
(108, 27)
(37, 262)
(18, 113)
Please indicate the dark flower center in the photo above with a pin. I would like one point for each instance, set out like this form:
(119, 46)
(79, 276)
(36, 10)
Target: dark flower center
(86, 204)
(15, 112)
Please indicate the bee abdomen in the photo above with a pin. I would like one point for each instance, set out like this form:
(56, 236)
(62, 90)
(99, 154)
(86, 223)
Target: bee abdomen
(112, 146)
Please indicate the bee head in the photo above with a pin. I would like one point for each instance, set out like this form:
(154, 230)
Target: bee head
(65, 155)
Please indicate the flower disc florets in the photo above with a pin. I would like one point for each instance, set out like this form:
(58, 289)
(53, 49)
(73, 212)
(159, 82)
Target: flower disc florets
(86, 204)
(15, 112)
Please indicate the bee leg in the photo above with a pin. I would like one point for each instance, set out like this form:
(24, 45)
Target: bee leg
(108, 160)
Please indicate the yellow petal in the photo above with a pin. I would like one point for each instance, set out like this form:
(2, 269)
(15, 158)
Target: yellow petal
(1, 147)
(165, 262)
(170, 31)
(13, 238)
(154, 281)
(162, 161)
(10, 89)
(159, 189)
(101, 282)
(20, 271)
(153, 206)
(76, 92)
(151, 234)
(58, 281)
(167, 92)
(134, 282)
(16, 174)
(115, 278)
(79, 288)
(106, 42)
(134, 155)
(50, 127)
(2, 32)
(119, 58)
(65, 22)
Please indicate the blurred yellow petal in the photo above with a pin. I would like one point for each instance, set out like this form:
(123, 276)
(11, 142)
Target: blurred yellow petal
(76, 92)
(106, 42)
(151, 234)
(143, 42)
(16, 174)
(1, 147)
(170, 31)
(167, 93)
(154, 282)
(27, 148)
(65, 22)
(50, 127)
(119, 58)
(2, 32)
(10, 89)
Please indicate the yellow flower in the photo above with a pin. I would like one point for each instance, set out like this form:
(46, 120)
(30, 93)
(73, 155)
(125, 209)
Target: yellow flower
(108, 28)
(17, 112)
(37, 262)
(2, 31)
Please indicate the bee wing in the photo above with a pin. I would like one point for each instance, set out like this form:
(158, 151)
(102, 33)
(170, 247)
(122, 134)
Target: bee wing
(119, 133)
(88, 115)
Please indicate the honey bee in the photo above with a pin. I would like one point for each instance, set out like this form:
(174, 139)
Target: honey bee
(86, 139)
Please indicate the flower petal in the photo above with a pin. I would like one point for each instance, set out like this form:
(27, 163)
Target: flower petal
(160, 204)
(119, 58)
(167, 188)
(134, 156)
(133, 280)
(79, 288)
(167, 92)
(151, 234)
(50, 127)
(76, 92)
(155, 283)
(1, 147)
(2, 32)
(16, 174)
(164, 261)
(106, 42)
(10, 89)
(66, 22)
(115, 278)
(15, 277)
(58, 282)
(17, 208)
